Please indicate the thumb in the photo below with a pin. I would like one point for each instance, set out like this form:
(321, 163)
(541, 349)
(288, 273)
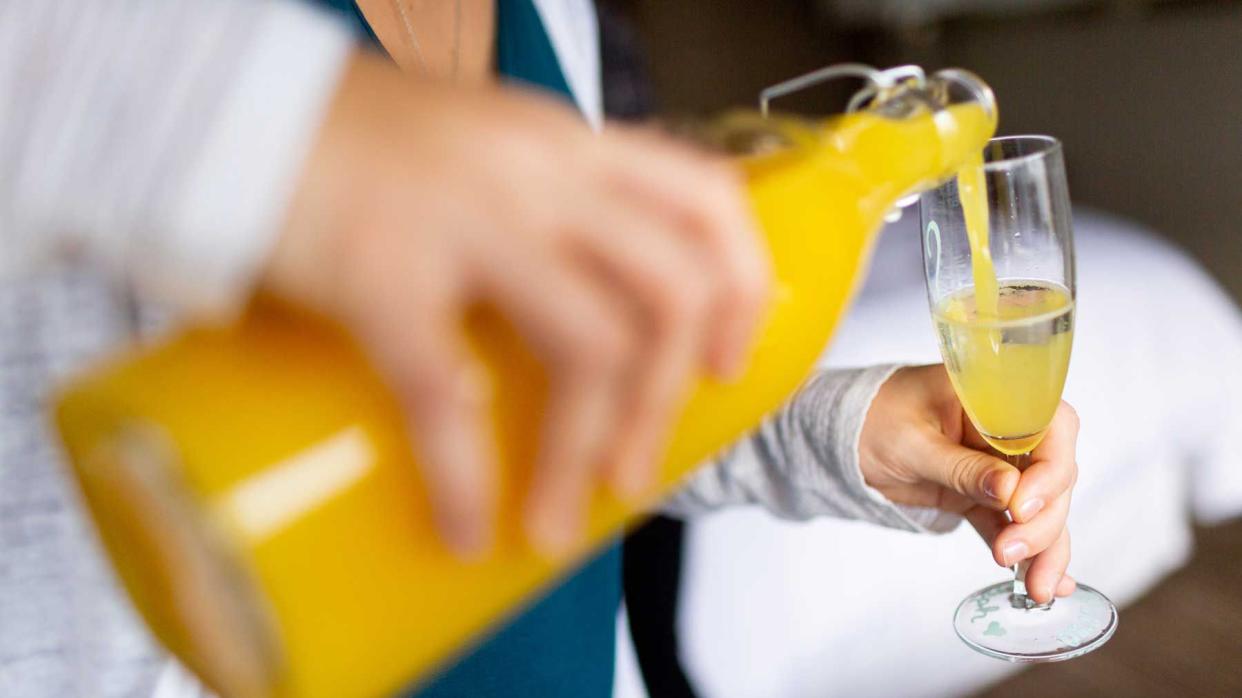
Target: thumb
(980, 477)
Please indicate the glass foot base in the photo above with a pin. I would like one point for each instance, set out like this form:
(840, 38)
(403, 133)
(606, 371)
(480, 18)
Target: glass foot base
(990, 623)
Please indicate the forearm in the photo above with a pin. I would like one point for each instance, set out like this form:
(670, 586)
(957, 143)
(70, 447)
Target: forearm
(803, 461)
(158, 139)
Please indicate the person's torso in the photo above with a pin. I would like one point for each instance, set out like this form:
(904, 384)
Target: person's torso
(564, 644)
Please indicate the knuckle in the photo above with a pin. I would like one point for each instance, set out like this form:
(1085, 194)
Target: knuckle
(1071, 416)
(752, 288)
(423, 381)
(439, 391)
(720, 190)
(680, 300)
(597, 348)
(760, 274)
(725, 178)
(964, 475)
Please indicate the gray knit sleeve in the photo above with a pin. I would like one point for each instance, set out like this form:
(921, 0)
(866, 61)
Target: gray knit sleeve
(802, 462)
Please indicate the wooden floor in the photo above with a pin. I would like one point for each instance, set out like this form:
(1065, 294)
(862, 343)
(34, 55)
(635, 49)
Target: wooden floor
(1182, 639)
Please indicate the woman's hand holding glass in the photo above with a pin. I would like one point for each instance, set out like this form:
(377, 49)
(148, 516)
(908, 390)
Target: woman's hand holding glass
(917, 447)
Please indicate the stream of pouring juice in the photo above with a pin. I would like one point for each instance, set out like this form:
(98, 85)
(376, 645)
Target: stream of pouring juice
(318, 573)
(973, 193)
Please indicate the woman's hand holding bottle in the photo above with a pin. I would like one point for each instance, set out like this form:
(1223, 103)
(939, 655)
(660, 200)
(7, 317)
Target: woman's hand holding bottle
(628, 263)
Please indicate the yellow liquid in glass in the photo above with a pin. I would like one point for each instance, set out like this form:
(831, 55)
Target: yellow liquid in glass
(254, 486)
(1009, 367)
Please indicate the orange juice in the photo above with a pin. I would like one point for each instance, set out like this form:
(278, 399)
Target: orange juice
(256, 492)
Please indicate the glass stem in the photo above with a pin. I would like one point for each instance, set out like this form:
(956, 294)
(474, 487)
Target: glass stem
(1018, 598)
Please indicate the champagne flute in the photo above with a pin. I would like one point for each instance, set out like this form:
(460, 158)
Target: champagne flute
(999, 259)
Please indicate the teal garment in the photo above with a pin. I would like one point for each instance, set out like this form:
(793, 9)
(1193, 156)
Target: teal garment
(562, 646)
(348, 11)
(524, 54)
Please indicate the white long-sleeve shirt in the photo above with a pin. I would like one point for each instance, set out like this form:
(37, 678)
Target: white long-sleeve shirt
(148, 149)
(146, 145)
(158, 141)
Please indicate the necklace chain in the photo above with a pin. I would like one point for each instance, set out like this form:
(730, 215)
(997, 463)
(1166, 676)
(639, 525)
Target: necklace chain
(417, 46)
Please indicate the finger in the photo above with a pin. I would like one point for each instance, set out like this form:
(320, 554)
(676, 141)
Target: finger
(728, 228)
(576, 423)
(710, 195)
(583, 337)
(1053, 470)
(1042, 482)
(988, 523)
(1044, 577)
(445, 399)
(659, 272)
(1016, 542)
(1066, 586)
(976, 475)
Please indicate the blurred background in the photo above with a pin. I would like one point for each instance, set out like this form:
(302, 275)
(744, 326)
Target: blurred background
(1145, 94)
(1147, 98)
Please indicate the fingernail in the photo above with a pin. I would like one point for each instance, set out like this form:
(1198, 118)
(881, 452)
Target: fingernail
(473, 386)
(468, 542)
(735, 358)
(632, 481)
(991, 484)
(1030, 508)
(553, 536)
(1014, 552)
(730, 363)
(636, 473)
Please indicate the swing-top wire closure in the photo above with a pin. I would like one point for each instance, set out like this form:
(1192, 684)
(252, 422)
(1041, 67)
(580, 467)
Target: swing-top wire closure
(882, 83)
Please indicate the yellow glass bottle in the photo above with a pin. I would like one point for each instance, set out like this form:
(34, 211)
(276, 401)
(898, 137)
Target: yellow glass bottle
(256, 493)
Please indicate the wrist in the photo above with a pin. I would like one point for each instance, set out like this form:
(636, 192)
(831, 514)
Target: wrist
(879, 428)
